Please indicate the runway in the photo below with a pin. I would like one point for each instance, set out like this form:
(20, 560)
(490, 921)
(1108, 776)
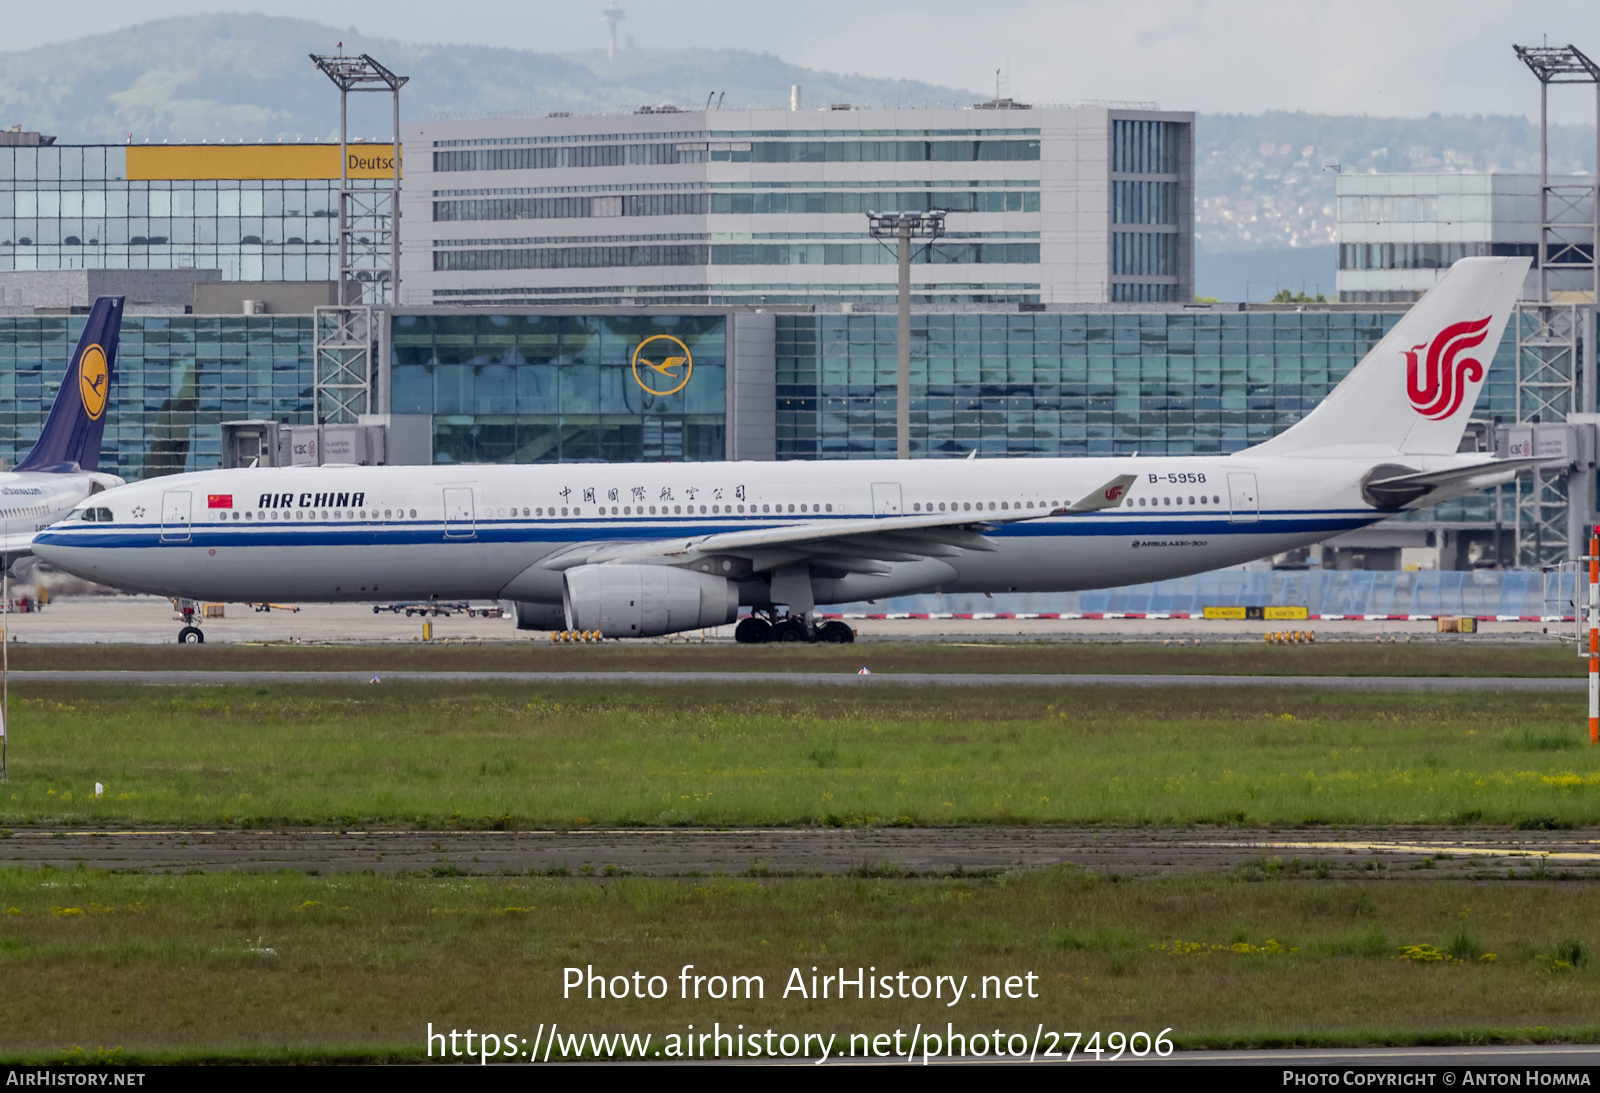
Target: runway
(1370, 853)
(1559, 685)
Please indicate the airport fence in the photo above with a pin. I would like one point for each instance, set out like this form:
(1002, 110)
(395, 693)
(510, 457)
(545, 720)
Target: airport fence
(1505, 595)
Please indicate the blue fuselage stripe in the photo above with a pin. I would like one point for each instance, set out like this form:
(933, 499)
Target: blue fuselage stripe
(408, 533)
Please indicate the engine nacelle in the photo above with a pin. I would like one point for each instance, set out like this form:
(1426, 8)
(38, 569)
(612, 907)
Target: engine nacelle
(646, 601)
(539, 616)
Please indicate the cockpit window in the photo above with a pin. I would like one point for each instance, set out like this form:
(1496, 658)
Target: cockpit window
(81, 514)
(103, 515)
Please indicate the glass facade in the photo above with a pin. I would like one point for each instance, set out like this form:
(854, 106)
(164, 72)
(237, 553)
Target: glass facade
(177, 378)
(74, 207)
(1146, 148)
(780, 151)
(546, 389)
(1163, 383)
(1359, 256)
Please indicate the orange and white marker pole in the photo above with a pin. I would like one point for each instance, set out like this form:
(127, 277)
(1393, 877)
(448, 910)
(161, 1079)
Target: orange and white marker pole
(1594, 637)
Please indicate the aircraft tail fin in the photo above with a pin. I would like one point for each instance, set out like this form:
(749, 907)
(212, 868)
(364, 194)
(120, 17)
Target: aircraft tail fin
(71, 437)
(1414, 393)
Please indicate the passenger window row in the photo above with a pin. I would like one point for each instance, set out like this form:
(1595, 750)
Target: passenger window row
(1155, 502)
(968, 506)
(309, 514)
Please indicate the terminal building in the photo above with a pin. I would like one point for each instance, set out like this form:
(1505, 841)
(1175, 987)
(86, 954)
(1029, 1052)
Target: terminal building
(1398, 233)
(252, 212)
(664, 207)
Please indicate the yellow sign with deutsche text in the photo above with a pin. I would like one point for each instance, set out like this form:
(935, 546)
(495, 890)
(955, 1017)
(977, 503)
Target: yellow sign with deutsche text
(199, 162)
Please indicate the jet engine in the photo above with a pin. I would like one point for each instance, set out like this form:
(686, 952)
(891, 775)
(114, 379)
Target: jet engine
(538, 616)
(646, 601)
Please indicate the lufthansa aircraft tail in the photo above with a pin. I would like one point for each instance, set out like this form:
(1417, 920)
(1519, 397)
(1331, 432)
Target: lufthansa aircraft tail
(1413, 394)
(70, 441)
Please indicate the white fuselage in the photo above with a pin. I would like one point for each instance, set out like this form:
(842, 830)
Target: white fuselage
(31, 501)
(470, 531)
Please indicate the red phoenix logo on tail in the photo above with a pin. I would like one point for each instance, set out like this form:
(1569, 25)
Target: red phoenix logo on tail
(1437, 386)
(1114, 492)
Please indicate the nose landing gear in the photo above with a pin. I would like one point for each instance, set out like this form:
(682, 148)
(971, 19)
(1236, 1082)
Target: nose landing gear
(190, 634)
(756, 630)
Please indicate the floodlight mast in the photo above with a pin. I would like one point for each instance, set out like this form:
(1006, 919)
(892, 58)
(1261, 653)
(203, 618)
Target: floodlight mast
(356, 74)
(903, 227)
(1555, 333)
(347, 334)
(1559, 64)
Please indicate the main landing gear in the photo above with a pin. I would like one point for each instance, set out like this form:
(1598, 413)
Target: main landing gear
(756, 630)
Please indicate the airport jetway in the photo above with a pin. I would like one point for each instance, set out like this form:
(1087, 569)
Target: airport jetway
(378, 440)
(1550, 508)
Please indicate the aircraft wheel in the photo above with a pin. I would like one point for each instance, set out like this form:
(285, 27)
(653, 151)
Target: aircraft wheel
(835, 633)
(191, 635)
(752, 631)
(789, 630)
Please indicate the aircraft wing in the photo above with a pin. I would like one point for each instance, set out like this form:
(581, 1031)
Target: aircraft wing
(851, 545)
(16, 545)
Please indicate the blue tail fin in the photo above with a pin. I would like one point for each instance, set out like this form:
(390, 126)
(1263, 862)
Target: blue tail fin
(71, 437)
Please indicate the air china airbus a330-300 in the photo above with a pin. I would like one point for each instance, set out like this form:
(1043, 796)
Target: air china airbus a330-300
(642, 549)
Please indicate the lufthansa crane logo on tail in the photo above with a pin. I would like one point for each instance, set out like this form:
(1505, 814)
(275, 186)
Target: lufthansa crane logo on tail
(94, 381)
(667, 365)
(1437, 383)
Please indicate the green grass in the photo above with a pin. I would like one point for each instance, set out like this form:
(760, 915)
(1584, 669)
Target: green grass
(1447, 656)
(128, 967)
(567, 755)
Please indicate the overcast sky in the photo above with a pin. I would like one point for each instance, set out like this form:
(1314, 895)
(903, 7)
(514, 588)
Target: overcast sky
(1386, 57)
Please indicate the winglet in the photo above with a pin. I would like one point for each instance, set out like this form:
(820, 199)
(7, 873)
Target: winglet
(1108, 496)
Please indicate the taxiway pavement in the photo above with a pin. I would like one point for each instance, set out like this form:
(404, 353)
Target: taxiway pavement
(1369, 853)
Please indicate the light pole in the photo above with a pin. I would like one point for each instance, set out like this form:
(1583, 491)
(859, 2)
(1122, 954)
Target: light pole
(903, 228)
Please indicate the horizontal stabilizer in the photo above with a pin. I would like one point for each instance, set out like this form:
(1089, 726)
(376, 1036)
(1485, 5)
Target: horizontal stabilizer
(1389, 486)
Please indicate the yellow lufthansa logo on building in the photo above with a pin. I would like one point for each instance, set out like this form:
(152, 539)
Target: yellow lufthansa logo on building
(94, 381)
(667, 364)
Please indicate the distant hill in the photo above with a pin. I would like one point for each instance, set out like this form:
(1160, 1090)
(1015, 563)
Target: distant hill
(223, 77)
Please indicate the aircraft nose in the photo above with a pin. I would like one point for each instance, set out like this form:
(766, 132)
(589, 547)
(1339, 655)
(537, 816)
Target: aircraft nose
(44, 541)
